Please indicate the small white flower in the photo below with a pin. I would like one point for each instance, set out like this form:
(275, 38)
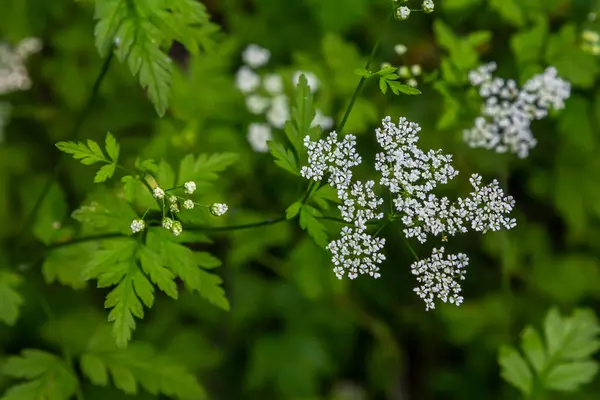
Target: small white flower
(412, 82)
(257, 104)
(311, 79)
(279, 112)
(415, 69)
(177, 228)
(173, 199)
(322, 120)
(218, 209)
(167, 223)
(258, 136)
(255, 56)
(400, 49)
(403, 72)
(174, 207)
(137, 225)
(590, 36)
(158, 193)
(188, 204)
(190, 187)
(403, 12)
(273, 83)
(428, 6)
(247, 80)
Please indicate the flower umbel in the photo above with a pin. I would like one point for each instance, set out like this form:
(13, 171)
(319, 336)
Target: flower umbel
(218, 209)
(137, 225)
(190, 187)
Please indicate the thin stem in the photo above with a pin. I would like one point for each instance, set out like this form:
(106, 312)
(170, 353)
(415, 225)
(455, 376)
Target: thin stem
(362, 80)
(410, 248)
(73, 135)
(237, 227)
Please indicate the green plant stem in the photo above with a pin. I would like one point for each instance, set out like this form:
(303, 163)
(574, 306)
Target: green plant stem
(237, 227)
(73, 135)
(414, 253)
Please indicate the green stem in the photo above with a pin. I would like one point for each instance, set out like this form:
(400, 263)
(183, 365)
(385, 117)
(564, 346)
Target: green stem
(410, 248)
(362, 80)
(237, 227)
(73, 135)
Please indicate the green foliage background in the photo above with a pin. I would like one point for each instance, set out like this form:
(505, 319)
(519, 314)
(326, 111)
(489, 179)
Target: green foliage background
(294, 331)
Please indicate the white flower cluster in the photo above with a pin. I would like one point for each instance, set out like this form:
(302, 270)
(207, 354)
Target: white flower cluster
(356, 251)
(13, 73)
(218, 209)
(265, 96)
(438, 277)
(403, 12)
(506, 116)
(411, 175)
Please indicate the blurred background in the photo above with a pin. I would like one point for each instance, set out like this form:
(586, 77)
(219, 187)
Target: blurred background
(294, 331)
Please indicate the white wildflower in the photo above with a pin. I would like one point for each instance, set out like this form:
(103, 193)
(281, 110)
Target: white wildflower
(158, 193)
(258, 136)
(438, 277)
(190, 187)
(322, 120)
(356, 252)
(428, 6)
(403, 12)
(218, 209)
(404, 72)
(177, 228)
(247, 80)
(13, 73)
(255, 56)
(279, 112)
(412, 82)
(400, 49)
(506, 116)
(415, 70)
(257, 104)
(174, 207)
(188, 204)
(311, 79)
(167, 223)
(273, 84)
(137, 225)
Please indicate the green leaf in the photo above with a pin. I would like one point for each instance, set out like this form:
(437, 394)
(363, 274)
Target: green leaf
(293, 210)
(383, 85)
(303, 113)
(406, 89)
(183, 262)
(112, 148)
(514, 369)
(312, 225)
(205, 168)
(284, 158)
(386, 71)
(137, 366)
(363, 72)
(528, 45)
(47, 375)
(570, 376)
(146, 165)
(104, 173)
(139, 32)
(50, 215)
(65, 264)
(86, 154)
(159, 275)
(324, 195)
(509, 10)
(105, 212)
(10, 299)
(533, 347)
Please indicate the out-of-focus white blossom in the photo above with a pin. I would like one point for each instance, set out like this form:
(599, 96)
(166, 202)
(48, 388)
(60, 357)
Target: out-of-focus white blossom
(137, 225)
(403, 12)
(218, 209)
(311, 79)
(412, 82)
(438, 277)
(190, 187)
(400, 49)
(258, 136)
(415, 69)
(279, 112)
(257, 104)
(506, 115)
(322, 120)
(404, 72)
(13, 73)
(247, 80)
(255, 56)
(428, 6)
(273, 83)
